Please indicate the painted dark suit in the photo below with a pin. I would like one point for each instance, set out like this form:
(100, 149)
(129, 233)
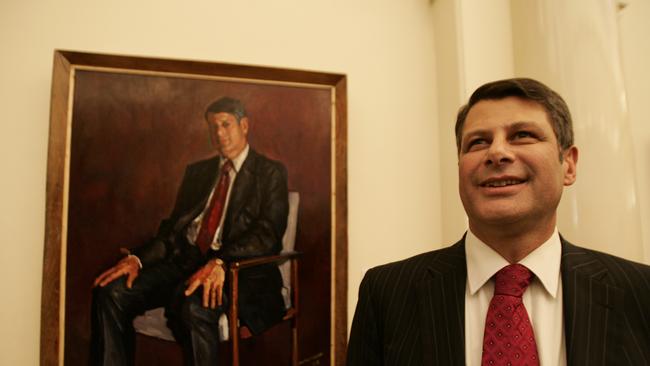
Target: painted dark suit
(412, 312)
(255, 221)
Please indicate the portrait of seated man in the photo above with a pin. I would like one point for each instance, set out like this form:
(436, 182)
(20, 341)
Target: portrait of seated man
(512, 290)
(228, 207)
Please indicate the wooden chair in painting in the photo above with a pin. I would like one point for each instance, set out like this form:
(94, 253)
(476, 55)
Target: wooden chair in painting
(153, 322)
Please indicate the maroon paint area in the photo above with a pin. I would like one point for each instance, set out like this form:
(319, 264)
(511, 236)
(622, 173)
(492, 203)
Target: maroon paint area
(133, 135)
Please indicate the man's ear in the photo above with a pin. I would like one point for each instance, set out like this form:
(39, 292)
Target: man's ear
(569, 163)
(244, 125)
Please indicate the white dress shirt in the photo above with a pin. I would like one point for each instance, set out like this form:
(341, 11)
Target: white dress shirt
(543, 298)
(195, 226)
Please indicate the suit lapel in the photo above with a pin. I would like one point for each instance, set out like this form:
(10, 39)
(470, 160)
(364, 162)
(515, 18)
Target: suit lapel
(592, 309)
(441, 304)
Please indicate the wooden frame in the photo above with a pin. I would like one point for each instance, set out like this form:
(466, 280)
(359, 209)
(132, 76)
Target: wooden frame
(70, 68)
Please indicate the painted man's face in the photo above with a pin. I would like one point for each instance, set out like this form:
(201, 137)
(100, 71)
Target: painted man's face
(228, 135)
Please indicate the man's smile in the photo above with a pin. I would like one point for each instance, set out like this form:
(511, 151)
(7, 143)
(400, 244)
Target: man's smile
(502, 183)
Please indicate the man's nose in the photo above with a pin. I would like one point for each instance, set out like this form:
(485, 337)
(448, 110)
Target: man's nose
(499, 152)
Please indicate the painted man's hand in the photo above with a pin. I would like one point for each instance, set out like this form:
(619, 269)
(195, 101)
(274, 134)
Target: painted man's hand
(129, 266)
(211, 277)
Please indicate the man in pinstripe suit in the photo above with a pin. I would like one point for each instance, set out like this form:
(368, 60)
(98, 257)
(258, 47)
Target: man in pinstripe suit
(515, 155)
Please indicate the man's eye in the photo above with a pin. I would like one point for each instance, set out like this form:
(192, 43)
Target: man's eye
(523, 134)
(475, 144)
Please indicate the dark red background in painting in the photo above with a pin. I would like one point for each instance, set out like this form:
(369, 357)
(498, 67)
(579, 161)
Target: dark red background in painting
(133, 135)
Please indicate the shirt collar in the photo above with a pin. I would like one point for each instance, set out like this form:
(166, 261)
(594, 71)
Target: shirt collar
(483, 262)
(238, 161)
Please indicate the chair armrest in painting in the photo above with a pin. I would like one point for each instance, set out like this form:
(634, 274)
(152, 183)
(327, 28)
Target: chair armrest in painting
(252, 262)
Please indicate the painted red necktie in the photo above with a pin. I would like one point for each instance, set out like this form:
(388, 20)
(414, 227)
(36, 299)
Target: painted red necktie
(509, 339)
(212, 216)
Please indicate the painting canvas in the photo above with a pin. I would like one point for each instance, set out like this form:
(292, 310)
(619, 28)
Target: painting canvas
(123, 129)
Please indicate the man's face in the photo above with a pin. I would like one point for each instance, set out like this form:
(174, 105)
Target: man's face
(509, 167)
(228, 135)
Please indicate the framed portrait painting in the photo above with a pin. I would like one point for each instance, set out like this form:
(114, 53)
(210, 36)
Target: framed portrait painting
(123, 130)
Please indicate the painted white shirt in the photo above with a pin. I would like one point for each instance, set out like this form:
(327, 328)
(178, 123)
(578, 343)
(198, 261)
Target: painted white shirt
(543, 298)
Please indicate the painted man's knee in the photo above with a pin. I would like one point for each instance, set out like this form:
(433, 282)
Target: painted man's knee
(113, 293)
(194, 313)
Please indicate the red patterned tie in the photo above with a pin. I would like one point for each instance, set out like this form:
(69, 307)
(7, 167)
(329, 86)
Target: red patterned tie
(509, 338)
(212, 216)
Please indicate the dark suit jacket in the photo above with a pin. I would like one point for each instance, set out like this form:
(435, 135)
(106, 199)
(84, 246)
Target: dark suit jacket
(255, 221)
(412, 312)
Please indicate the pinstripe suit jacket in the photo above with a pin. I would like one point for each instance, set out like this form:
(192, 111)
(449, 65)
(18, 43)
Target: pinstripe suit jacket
(412, 312)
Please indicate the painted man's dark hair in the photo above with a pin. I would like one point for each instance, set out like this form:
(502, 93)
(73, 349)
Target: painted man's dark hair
(227, 105)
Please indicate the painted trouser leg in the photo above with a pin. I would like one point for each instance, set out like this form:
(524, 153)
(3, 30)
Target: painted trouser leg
(196, 327)
(115, 306)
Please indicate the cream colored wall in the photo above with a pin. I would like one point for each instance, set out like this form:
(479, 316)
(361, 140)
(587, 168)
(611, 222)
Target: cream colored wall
(385, 47)
(635, 53)
(450, 72)
(487, 43)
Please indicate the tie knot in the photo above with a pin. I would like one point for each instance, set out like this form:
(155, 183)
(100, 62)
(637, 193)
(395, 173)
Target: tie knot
(512, 280)
(226, 167)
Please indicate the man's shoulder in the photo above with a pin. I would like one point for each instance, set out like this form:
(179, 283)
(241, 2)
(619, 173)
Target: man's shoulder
(413, 268)
(210, 161)
(255, 162)
(621, 271)
(259, 161)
